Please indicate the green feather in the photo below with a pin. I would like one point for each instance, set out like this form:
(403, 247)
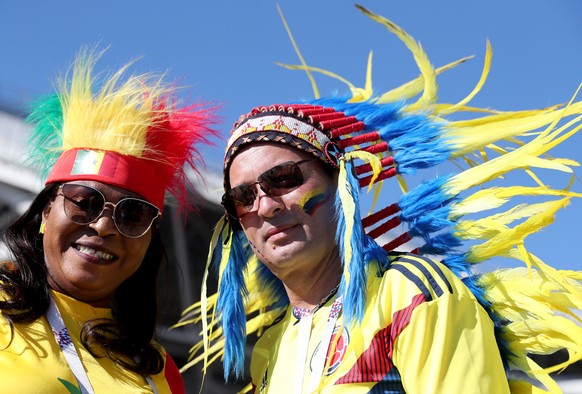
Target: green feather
(45, 140)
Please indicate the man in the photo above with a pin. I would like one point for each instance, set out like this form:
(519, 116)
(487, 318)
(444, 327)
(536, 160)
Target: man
(342, 313)
(291, 225)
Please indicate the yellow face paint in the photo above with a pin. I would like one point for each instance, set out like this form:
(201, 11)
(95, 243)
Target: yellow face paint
(313, 199)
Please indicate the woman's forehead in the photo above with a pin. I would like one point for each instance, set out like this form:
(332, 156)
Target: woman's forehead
(109, 191)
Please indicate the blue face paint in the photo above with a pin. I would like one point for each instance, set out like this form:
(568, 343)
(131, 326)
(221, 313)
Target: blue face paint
(313, 199)
(258, 253)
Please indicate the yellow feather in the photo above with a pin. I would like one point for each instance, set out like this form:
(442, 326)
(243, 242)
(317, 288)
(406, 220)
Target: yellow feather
(529, 366)
(348, 208)
(484, 74)
(467, 138)
(558, 290)
(491, 226)
(501, 244)
(495, 197)
(195, 309)
(438, 107)
(562, 278)
(414, 87)
(523, 387)
(523, 157)
(330, 74)
(370, 158)
(368, 90)
(402, 183)
(246, 389)
(537, 310)
(495, 116)
(299, 55)
(427, 70)
(220, 228)
(118, 114)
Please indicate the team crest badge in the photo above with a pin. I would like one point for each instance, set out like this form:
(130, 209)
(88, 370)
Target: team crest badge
(339, 352)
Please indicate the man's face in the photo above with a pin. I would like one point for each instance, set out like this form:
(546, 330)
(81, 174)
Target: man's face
(293, 231)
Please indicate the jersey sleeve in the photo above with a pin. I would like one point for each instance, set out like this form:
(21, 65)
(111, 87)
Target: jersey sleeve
(448, 344)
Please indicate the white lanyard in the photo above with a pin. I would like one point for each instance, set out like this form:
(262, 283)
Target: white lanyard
(304, 336)
(65, 342)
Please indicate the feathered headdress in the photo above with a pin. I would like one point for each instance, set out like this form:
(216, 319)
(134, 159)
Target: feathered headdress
(372, 139)
(124, 131)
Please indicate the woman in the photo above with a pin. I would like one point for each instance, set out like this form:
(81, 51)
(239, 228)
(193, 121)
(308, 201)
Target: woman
(79, 301)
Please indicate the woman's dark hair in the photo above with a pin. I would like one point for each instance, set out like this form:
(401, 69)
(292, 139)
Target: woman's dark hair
(127, 338)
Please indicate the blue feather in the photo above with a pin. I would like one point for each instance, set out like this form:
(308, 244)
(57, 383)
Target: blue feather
(230, 307)
(354, 292)
(458, 264)
(374, 253)
(416, 141)
(442, 244)
(422, 200)
(433, 222)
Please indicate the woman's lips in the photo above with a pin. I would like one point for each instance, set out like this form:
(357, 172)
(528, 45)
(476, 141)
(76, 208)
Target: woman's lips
(95, 253)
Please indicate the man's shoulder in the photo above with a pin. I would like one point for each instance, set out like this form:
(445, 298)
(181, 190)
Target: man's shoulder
(429, 276)
(411, 258)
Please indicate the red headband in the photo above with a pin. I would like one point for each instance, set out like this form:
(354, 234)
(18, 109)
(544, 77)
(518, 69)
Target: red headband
(137, 175)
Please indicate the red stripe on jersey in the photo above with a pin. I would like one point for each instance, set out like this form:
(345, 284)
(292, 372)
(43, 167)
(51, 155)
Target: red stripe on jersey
(376, 361)
(173, 376)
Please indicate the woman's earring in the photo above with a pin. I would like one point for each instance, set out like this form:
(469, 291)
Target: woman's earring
(42, 228)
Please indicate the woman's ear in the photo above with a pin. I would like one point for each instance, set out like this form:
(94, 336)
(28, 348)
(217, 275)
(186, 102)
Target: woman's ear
(47, 209)
(44, 216)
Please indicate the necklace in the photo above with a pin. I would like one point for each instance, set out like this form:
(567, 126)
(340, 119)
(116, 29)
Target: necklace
(299, 313)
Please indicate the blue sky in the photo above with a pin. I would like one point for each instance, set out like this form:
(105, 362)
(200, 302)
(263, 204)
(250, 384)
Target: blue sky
(225, 52)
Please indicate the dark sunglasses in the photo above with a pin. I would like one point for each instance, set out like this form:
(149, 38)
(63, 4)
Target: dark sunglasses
(133, 217)
(275, 182)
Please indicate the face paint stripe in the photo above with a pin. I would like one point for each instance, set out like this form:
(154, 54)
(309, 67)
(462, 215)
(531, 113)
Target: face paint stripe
(313, 199)
(261, 256)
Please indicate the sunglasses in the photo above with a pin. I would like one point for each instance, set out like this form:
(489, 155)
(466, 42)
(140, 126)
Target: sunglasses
(132, 217)
(275, 182)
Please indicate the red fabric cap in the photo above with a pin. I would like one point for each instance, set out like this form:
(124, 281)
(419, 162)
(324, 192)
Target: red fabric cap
(134, 174)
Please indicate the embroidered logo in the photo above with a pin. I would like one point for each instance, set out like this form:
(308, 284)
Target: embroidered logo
(341, 346)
